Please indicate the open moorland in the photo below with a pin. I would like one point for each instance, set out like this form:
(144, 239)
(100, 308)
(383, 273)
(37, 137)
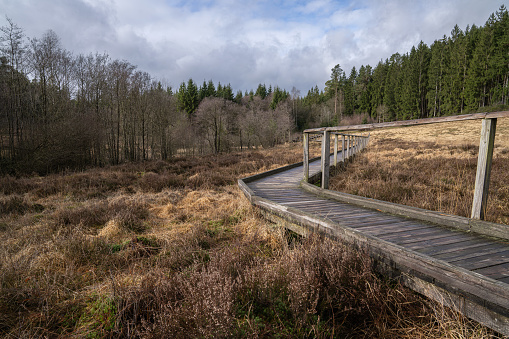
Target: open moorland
(431, 167)
(173, 249)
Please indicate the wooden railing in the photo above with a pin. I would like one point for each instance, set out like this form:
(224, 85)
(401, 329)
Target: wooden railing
(484, 160)
(350, 145)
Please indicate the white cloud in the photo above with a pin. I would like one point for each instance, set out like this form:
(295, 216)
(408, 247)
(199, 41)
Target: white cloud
(286, 43)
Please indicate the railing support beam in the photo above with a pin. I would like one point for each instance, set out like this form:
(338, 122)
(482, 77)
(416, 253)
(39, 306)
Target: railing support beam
(482, 179)
(335, 150)
(325, 159)
(305, 142)
(343, 149)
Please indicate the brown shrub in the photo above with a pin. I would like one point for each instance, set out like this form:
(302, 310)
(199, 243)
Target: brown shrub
(129, 212)
(153, 182)
(13, 204)
(88, 215)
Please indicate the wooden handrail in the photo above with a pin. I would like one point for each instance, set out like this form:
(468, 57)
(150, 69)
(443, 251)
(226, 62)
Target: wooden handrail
(354, 144)
(463, 117)
(485, 156)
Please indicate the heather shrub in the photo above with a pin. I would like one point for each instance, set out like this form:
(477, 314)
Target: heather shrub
(115, 253)
(13, 204)
(89, 215)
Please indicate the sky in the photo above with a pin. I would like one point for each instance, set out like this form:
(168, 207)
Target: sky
(274, 42)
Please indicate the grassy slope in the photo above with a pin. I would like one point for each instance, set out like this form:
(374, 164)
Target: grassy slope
(172, 249)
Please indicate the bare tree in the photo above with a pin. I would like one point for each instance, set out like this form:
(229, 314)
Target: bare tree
(119, 73)
(12, 47)
(295, 96)
(212, 119)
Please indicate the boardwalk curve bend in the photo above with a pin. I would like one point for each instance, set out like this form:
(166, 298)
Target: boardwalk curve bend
(440, 256)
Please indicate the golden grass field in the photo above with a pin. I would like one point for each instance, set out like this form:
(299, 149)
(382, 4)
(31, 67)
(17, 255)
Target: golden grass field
(173, 249)
(431, 167)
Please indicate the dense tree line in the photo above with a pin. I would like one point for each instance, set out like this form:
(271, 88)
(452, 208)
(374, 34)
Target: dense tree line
(59, 110)
(465, 72)
(62, 111)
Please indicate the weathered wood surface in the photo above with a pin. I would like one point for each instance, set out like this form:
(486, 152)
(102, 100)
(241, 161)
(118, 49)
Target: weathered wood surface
(475, 116)
(482, 179)
(439, 255)
(325, 159)
(306, 156)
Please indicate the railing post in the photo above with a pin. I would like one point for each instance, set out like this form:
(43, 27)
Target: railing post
(482, 179)
(325, 159)
(343, 148)
(335, 150)
(306, 156)
(348, 146)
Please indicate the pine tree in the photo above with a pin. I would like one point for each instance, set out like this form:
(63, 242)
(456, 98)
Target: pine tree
(211, 89)
(423, 60)
(332, 88)
(362, 89)
(349, 94)
(261, 91)
(188, 99)
(436, 78)
(376, 89)
(392, 86)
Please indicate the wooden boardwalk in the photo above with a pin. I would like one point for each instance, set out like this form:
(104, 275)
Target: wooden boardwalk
(463, 269)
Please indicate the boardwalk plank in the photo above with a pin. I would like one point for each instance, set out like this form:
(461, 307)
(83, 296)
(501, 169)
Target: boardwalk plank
(471, 252)
(484, 260)
(400, 226)
(379, 221)
(495, 272)
(437, 242)
(421, 232)
(460, 242)
(431, 240)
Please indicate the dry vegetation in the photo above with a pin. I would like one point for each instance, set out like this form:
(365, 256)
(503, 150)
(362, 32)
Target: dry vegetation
(172, 249)
(431, 167)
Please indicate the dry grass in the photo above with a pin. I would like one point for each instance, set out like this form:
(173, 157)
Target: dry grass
(431, 167)
(172, 249)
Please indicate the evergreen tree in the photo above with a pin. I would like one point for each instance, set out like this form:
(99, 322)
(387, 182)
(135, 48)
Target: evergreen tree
(422, 59)
(362, 89)
(203, 91)
(332, 88)
(436, 78)
(227, 92)
(211, 89)
(376, 89)
(188, 99)
(219, 91)
(392, 86)
(261, 91)
(238, 97)
(278, 96)
(349, 92)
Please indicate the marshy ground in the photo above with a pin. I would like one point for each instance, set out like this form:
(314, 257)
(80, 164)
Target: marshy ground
(173, 249)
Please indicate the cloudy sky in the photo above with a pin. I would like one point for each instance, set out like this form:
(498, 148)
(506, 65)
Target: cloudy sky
(278, 42)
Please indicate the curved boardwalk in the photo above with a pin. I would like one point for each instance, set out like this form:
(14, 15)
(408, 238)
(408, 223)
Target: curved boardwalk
(466, 270)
